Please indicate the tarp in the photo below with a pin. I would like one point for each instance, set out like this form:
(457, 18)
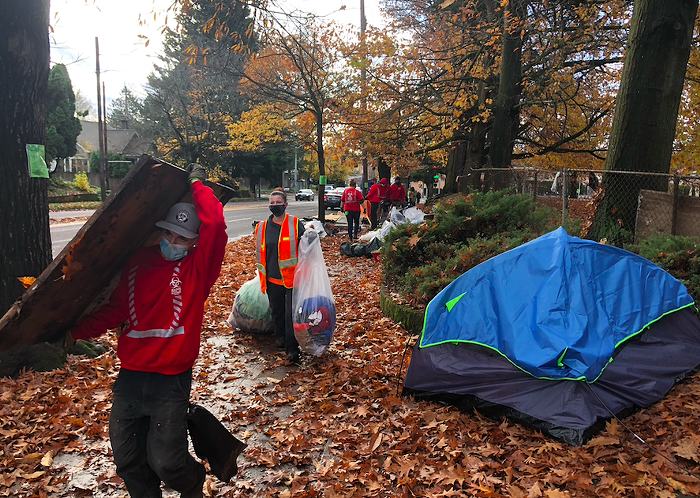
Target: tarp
(556, 307)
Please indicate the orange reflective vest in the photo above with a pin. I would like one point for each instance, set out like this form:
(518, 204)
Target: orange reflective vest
(286, 251)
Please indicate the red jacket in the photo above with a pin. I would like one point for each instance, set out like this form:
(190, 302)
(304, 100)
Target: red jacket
(351, 199)
(397, 192)
(163, 300)
(377, 193)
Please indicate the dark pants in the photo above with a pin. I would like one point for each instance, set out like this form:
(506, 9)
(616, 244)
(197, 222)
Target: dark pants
(353, 223)
(385, 207)
(373, 208)
(148, 431)
(281, 307)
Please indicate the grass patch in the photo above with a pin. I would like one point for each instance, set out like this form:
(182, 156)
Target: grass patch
(74, 206)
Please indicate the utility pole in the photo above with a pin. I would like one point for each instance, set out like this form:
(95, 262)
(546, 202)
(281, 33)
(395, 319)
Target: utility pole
(100, 130)
(104, 136)
(363, 78)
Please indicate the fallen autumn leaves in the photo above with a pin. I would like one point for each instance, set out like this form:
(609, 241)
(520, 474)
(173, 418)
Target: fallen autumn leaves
(334, 427)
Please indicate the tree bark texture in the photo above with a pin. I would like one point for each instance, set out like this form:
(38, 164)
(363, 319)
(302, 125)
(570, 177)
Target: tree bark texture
(321, 164)
(455, 165)
(383, 169)
(25, 239)
(507, 110)
(646, 110)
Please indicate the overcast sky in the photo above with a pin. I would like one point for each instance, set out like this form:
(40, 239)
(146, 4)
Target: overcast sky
(124, 58)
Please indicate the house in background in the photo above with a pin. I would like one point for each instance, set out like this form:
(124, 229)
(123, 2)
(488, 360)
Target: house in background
(125, 142)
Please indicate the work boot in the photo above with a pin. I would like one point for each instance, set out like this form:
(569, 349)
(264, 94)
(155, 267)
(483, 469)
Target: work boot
(280, 343)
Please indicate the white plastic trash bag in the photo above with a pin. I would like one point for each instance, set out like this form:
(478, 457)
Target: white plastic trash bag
(367, 237)
(316, 226)
(396, 216)
(414, 215)
(387, 227)
(312, 298)
(251, 309)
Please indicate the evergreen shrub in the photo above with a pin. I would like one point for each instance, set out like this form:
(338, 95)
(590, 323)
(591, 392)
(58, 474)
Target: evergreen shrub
(420, 260)
(677, 255)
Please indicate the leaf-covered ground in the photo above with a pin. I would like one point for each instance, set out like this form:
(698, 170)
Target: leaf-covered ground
(334, 426)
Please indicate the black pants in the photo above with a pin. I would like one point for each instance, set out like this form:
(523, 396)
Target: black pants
(374, 207)
(353, 223)
(281, 307)
(148, 432)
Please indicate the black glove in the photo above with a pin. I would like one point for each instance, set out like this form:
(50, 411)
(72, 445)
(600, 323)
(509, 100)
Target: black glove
(196, 172)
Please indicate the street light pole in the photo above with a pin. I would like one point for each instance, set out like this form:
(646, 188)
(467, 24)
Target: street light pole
(295, 169)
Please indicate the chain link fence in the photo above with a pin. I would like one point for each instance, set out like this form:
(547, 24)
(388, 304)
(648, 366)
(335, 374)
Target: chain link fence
(619, 207)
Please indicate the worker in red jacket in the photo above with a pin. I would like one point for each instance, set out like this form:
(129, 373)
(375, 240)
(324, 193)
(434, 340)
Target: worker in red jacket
(397, 193)
(376, 195)
(160, 298)
(350, 203)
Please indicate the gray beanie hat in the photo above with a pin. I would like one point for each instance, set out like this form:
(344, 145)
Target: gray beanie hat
(182, 219)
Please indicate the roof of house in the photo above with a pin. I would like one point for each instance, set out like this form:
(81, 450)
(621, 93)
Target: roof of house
(125, 142)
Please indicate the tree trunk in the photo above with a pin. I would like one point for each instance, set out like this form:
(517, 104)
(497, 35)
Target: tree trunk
(507, 110)
(321, 165)
(25, 239)
(646, 111)
(455, 165)
(383, 169)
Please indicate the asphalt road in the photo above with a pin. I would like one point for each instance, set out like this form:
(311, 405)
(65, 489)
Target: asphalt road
(239, 220)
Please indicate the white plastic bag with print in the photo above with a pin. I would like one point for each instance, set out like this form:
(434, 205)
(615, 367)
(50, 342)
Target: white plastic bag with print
(313, 306)
(387, 227)
(396, 217)
(316, 226)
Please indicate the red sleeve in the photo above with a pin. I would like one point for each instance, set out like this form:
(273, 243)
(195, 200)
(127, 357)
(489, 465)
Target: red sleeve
(372, 194)
(109, 316)
(212, 233)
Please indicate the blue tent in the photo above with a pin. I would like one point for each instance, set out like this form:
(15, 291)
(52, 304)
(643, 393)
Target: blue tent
(539, 332)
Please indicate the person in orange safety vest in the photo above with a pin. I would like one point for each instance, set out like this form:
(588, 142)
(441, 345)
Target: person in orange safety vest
(276, 245)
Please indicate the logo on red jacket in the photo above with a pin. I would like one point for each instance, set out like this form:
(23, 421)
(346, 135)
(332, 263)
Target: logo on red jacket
(175, 286)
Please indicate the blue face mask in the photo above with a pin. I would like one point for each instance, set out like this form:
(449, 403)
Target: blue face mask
(172, 252)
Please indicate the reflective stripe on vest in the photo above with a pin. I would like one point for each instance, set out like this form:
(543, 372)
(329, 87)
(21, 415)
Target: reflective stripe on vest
(260, 249)
(287, 242)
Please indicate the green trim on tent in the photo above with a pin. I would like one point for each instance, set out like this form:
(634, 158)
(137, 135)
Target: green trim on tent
(581, 378)
(649, 324)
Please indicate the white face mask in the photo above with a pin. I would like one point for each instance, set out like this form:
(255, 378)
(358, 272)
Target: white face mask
(172, 252)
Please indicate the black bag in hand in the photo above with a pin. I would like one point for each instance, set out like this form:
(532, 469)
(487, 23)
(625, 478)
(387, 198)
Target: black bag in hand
(213, 442)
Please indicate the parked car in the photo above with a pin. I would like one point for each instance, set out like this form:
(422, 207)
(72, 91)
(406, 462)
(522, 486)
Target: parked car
(332, 199)
(304, 194)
